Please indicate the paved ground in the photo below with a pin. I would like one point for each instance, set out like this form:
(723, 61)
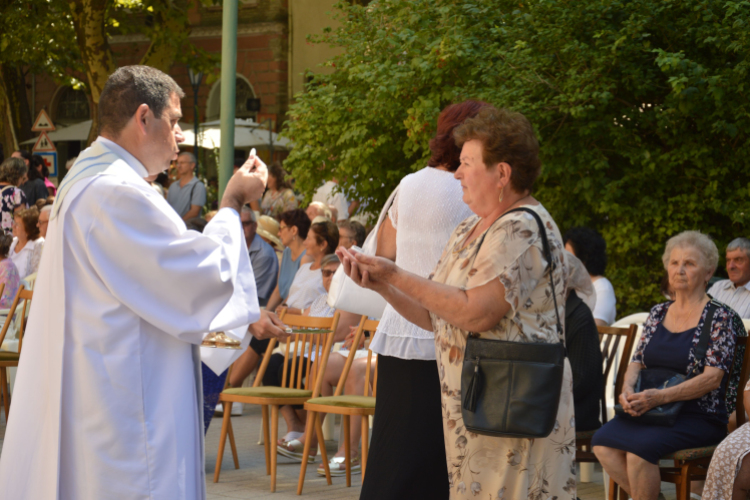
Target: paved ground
(250, 481)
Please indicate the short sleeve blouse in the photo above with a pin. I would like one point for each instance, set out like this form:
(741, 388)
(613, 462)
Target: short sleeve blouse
(512, 252)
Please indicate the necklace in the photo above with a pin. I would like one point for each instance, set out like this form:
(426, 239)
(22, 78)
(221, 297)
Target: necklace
(686, 318)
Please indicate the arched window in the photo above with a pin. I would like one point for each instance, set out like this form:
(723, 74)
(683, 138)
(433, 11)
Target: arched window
(72, 106)
(244, 91)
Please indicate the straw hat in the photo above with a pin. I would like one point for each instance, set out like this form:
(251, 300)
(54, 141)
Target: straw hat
(268, 229)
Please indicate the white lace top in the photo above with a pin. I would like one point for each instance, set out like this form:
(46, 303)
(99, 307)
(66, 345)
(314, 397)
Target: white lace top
(306, 287)
(426, 210)
(27, 260)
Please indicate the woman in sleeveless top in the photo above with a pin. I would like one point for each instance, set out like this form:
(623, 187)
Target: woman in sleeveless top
(407, 455)
(12, 174)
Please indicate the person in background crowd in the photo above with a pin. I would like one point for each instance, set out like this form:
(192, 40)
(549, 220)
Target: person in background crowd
(293, 230)
(589, 246)
(728, 476)
(318, 209)
(628, 449)
(582, 346)
(188, 195)
(489, 282)
(23, 155)
(326, 195)
(43, 221)
(423, 215)
(735, 291)
(262, 257)
(351, 233)
(12, 198)
(34, 188)
(26, 249)
(8, 273)
(279, 196)
(294, 446)
(334, 212)
(322, 240)
(268, 229)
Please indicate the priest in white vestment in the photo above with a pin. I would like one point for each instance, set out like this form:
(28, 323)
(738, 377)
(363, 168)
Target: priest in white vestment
(106, 400)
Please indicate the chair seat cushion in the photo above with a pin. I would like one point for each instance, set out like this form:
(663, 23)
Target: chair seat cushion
(268, 391)
(345, 401)
(692, 453)
(8, 356)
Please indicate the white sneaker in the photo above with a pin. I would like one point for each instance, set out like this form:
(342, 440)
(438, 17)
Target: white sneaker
(236, 409)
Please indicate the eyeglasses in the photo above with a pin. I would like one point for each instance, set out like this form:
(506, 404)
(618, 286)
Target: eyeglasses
(283, 227)
(327, 273)
(246, 223)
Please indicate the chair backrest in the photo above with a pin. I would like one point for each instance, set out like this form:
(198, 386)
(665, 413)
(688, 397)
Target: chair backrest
(610, 339)
(740, 405)
(365, 325)
(26, 296)
(311, 339)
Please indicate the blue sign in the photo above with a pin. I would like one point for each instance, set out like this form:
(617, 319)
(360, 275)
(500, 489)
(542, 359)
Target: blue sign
(50, 159)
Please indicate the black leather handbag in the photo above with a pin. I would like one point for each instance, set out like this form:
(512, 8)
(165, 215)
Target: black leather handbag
(512, 389)
(663, 378)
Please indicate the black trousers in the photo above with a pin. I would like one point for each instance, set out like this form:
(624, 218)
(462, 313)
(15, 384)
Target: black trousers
(407, 453)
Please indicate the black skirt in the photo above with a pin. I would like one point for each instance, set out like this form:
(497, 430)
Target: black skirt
(407, 453)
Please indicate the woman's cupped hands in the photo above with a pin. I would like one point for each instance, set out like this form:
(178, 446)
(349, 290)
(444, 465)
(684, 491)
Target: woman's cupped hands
(636, 404)
(375, 273)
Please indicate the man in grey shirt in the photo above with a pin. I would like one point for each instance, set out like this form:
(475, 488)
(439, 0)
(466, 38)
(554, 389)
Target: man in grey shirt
(262, 257)
(187, 194)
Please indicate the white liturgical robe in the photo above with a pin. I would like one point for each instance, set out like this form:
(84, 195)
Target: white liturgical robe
(106, 401)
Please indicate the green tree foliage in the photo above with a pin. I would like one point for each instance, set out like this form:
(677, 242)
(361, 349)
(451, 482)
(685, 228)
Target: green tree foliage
(640, 106)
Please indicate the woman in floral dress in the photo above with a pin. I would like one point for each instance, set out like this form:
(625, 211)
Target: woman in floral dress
(492, 278)
(12, 174)
(279, 196)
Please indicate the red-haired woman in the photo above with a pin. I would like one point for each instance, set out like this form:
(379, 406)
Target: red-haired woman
(407, 456)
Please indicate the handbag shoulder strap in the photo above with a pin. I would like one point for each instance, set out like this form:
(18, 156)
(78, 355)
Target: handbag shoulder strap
(547, 255)
(702, 346)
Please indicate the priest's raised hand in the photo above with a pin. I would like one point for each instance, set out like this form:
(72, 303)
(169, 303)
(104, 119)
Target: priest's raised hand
(247, 184)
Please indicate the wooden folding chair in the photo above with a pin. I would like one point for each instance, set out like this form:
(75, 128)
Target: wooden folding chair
(692, 464)
(311, 338)
(10, 359)
(346, 406)
(610, 339)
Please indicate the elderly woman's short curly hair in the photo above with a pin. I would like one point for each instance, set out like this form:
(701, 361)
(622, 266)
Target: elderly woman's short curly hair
(698, 241)
(506, 136)
(12, 171)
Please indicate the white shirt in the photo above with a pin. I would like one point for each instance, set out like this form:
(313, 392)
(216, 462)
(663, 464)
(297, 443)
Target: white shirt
(306, 287)
(325, 195)
(109, 378)
(27, 260)
(606, 303)
(426, 210)
(738, 298)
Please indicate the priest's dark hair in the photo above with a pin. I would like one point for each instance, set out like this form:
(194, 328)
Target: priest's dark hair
(128, 88)
(5, 241)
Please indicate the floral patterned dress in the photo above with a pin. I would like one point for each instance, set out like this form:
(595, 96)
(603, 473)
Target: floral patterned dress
(506, 468)
(11, 198)
(274, 204)
(726, 462)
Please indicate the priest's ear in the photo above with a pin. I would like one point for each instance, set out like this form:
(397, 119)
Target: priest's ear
(142, 115)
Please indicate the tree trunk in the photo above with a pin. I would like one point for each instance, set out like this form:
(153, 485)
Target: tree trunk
(171, 30)
(89, 20)
(17, 120)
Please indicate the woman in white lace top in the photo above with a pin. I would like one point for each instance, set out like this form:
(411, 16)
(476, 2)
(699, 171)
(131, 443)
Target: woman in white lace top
(407, 456)
(26, 249)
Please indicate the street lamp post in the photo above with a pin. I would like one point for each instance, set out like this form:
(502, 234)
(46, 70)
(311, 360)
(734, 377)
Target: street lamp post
(195, 82)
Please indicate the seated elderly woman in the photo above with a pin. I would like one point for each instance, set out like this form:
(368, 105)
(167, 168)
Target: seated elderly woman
(8, 273)
(319, 209)
(492, 281)
(26, 249)
(728, 475)
(628, 449)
